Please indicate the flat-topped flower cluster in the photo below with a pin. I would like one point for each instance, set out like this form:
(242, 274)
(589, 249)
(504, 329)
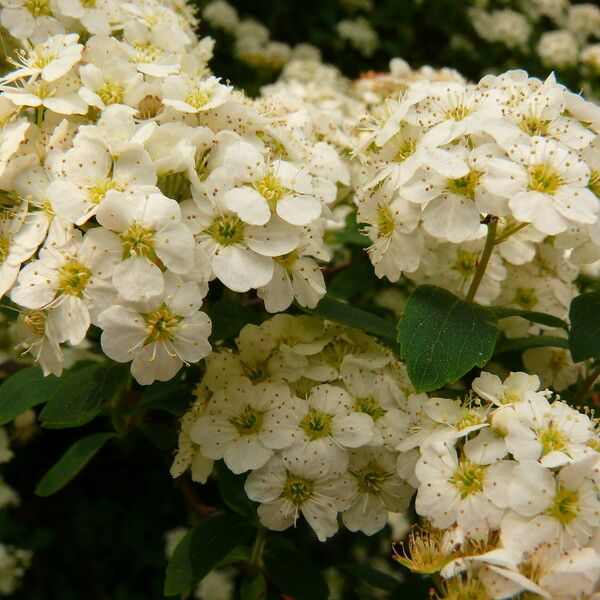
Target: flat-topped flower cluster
(130, 176)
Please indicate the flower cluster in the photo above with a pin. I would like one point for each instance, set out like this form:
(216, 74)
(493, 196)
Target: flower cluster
(442, 160)
(314, 411)
(571, 42)
(130, 176)
(13, 561)
(252, 43)
(508, 485)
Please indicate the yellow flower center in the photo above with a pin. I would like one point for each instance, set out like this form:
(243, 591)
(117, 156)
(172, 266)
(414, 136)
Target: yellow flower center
(97, 192)
(466, 263)
(4, 248)
(271, 189)
(468, 478)
(138, 240)
(407, 147)
(316, 424)
(88, 3)
(73, 277)
(544, 178)
(509, 396)
(468, 418)
(111, 92)
(146, 52)
(526, 298)
(197, 98)
(552, 439)
(534, 125)
(385, 221)
(226, 230)
(594, 183)
(287, 261)
(458, 113)
(297, 489)
(161, 325)
(38, 8)
(39, 59)
(464, 186)
(249, 421)
(370, 478)
(36, 321)
(564, 507)
(369, 406)
(425, 554)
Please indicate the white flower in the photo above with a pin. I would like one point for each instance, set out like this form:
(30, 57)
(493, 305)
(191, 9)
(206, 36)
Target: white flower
(558, 49)
(554, 434)
(325, 425)
(287, 489)
(72, 281)
(50, 60)
(376, 490)
(564, 508)
(34, 20)
(377, 397)
(461, 491)
(297, 275)
(38, 336)
(19, 239)
(113, 82)
(545, 185)
(88, 171)
(94, 16)
(554, 366)
(194, 94)
(392, 223)
(59, 96)
(244, 424)
(158, 336)
(150, 229)
(515, 388)
(279, 187)
(241, 254)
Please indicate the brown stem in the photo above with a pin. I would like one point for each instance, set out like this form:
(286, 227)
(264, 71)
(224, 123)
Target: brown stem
(193, 502)
(484, 259)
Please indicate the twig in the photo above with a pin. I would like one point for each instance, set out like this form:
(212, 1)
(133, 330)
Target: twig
(484, 259)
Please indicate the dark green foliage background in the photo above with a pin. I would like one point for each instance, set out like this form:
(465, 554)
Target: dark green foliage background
(419, 31)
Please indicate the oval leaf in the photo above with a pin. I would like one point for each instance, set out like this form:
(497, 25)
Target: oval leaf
(584, 314)
(502, 312)
(340, 312)
(536, 341)
(292, 572)
(24, 390)
(71, 462)
(202, 548)
(442, 337)
(79, 395)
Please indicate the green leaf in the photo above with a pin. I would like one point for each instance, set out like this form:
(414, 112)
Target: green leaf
(202, 548)
(173, 397)
(254, 589)
(231, 488)
(24, 390)
(535, 341)
(502, 312)
(373, 577)
(357, 278)
(292, 572)
(71, 462)
(79, 395)
(584, 314)
(442, 337)
(340, 312)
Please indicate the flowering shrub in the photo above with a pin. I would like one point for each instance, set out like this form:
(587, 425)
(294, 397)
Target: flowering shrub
(357, 319)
